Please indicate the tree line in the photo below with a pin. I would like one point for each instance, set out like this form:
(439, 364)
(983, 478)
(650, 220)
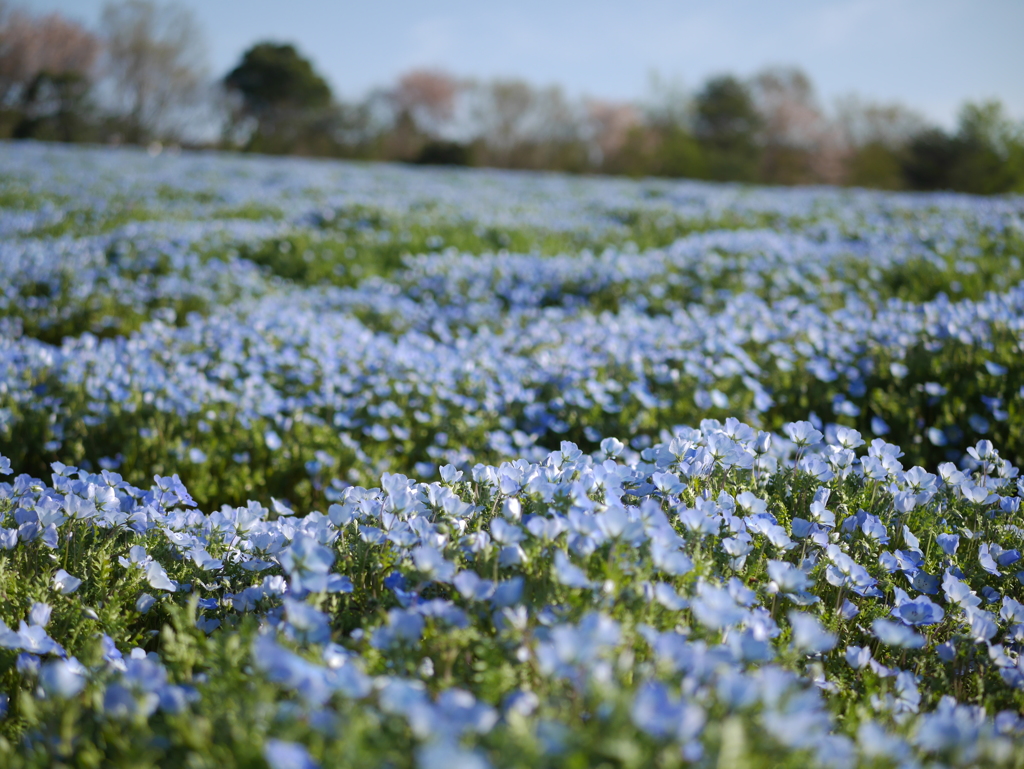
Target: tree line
(141, 78)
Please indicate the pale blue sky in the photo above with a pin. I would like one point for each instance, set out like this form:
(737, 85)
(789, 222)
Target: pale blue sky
(929, 54)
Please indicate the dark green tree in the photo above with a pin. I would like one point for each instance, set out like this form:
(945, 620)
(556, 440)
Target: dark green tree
(985, 156)
(726, 123)
(56, 107)
(281, 101)
(989, 146)
(929, 160)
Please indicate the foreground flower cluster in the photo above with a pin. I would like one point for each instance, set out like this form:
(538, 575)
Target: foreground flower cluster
(219, 377)
(731, 593)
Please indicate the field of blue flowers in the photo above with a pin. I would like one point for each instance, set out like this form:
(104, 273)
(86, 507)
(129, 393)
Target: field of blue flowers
(305, 463)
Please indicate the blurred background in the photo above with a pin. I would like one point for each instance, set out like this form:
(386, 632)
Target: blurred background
(894, 94)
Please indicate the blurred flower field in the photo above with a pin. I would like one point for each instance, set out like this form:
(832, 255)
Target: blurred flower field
(308, 463)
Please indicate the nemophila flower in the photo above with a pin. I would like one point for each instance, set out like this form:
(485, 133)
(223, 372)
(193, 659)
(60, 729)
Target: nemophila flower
(144, 603)
(809, 636)
(948, 543)
(472, 587)
(959, 592)
(950, 475)
(667, 483)
(667, 557)
(432, 564)
(848, 609)
(874, 529)
(924, 582)
(62, 678)
(445, 753)
(568, 574)
(547, 530)
(698, 522)
(787, 578)
(27, 665)
(874, 742)
(456, 712)
(403, 627)
(663, 716)
(977, 494)
(306, 624)
(612, 447)
(307, 563)
(858, 657)
(981, 624)
(1003, 557)
(803, 434)
(508, 592)
(849, 438)
(157, 577)
(715, 608)
(443, 611)
(821, 514)
(879, 426)
(777, 536)
(896, 634)
(8, 538)
(946, 651)
(667, 596)
(30, 638)
(313, 683)
(986, 560)
(280, 754)
(39, 614)
(5, 465)
(204, 560)
(579, 646)
(505, 533)
(65, 583)
(920, 611)
(1011, 610)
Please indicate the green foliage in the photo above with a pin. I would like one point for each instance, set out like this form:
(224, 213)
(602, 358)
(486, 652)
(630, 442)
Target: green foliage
(727, 124)
(272, 75)
(985, 155)
(283, 94)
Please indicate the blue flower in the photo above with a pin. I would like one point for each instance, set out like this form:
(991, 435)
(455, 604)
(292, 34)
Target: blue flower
(948, 543)
(896, 634)
(308, 563)
(432, 564)
(568, 574)
(62, 678)
(306, 624)
(287, 755)
(65, 583)
(920, 611)
(809, 636)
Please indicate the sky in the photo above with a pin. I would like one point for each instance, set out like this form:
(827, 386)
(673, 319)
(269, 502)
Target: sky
(931, 55)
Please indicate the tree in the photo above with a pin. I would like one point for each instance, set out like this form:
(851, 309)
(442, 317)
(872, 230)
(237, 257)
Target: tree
(727, 123)
(795, 136)
(990, 146)
(46, 72)
(985, 155)
(279, 97)
(874, 138)
(156, 59)
(520, 126)
(929, 160)
(609, 126)
(501, 111)
(428, 96)
(56, 107)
